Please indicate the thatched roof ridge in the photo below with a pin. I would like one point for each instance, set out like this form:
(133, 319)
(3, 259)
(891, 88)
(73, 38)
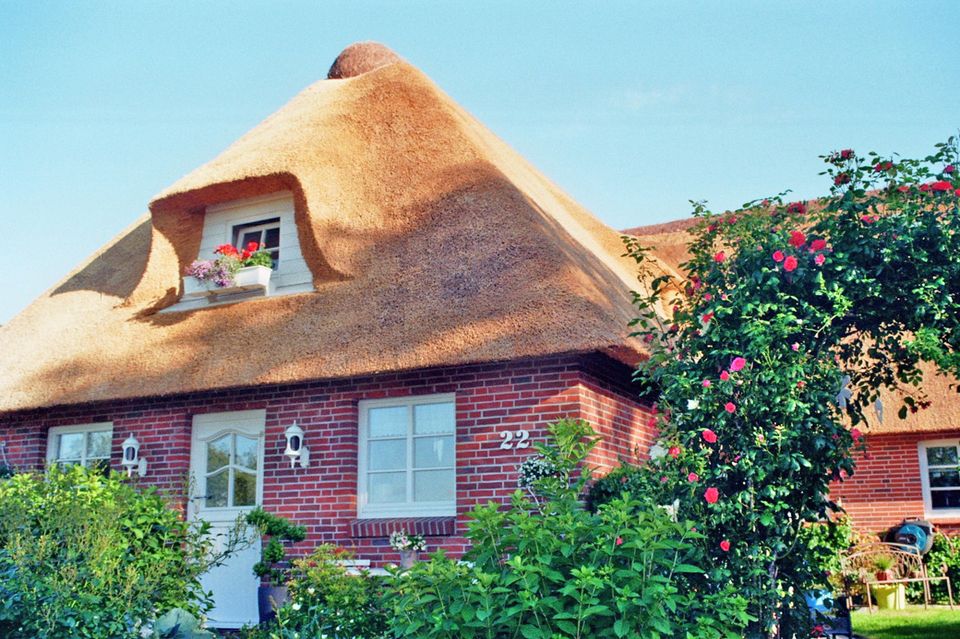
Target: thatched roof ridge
(431, 243)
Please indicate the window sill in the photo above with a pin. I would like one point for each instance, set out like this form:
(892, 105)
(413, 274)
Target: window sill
(425, 526)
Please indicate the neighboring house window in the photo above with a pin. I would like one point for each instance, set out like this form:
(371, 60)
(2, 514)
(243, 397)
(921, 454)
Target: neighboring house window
(407, 464)
(85, 444)
(940, 476)
(263, 232)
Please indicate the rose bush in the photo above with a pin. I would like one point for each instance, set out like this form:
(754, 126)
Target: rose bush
(792, 316)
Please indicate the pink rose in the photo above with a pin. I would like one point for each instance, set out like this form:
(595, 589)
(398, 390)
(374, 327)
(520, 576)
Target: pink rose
(725, 546)
(711, 495)
(790, 264)
(778, 256)
(818, 245)
(724, 376)
(730, 407)
(709, 436)
(706, 383)
(674, 451)
(737, 363)
(693, 477)
(719, 257)
(819, 259)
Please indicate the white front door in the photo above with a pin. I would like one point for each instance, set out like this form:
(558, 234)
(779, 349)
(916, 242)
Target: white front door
(226, 466)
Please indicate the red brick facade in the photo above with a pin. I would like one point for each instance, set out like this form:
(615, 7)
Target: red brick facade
(886, 487)
(489, 399)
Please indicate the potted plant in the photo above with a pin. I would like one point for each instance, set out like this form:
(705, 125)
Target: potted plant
(232, 269)
(883, 565)
(409, 546)
(273, 567)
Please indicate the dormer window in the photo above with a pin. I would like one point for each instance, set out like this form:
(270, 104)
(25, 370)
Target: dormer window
(267, 220)
(265, 233)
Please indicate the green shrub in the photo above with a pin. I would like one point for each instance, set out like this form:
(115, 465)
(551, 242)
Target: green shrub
(945, 553)
(88, 556)
(547, 567)
(327, 600)
(279, 532)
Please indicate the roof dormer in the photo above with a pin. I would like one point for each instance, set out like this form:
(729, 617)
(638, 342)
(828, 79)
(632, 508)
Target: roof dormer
(267, 221)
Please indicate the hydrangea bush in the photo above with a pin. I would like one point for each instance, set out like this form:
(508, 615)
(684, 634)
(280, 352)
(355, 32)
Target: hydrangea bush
(791, 318)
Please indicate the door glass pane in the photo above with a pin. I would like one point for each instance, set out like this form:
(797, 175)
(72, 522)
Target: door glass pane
(942, 455)
(430, 419)
(432, 452)
(433, 485)
(387, 488)
(247, 452)
(945, 498)
(388, 422)
(98, 444)
(217, 489)
(71, 446)
(944, 478)
(388, 454)
(244, 489)
(218, 453)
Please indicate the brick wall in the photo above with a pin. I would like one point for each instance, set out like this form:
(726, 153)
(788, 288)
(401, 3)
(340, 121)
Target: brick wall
(886, 487)
(491, 398)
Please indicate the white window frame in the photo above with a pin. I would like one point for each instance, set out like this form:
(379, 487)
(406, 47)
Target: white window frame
(53, 440)
(410, 508)
(929, 511)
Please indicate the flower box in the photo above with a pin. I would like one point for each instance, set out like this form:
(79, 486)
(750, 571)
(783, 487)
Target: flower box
(249, 278)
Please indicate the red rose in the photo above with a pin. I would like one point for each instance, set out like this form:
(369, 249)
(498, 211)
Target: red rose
(856, 434)
(924, 187)
(957, 192)
(883, 166)
(711, 495)
(709, 436)
(868, 219)
(724, 375)
(796, 207)
(707, 317)
(818, 245)
(719, 257)
(846, 154)
(790, 264)
(941, 186)
(841, 178)
(693, 477)
(797, 239)
(730, 407)
(778, 256)
(725, 546)
(674, 451)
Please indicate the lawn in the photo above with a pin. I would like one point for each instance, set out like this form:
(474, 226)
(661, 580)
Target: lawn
(939, 622)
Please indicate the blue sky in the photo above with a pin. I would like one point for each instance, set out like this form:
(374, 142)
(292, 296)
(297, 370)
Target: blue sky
(633, 108)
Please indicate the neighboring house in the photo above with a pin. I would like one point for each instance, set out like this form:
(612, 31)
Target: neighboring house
(911, 467)
(435, 303)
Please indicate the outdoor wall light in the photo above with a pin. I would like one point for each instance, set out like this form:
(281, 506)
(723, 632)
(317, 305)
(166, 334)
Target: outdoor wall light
(296, 451)
(131, 457)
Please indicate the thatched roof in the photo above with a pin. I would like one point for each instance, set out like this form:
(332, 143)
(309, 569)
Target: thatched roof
(669, 242)
(431, 243)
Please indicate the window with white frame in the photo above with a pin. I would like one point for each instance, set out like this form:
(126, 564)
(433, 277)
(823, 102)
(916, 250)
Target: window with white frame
(265, 233)
(84, 444)
(940, 477)
(407, 464)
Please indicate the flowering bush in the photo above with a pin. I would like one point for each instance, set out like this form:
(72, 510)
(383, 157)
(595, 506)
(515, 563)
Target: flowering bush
(400, 540)
(547, 567)
(778, 348)
(220, 271)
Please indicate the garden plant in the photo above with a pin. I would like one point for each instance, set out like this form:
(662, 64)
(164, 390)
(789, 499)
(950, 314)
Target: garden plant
(767, 355)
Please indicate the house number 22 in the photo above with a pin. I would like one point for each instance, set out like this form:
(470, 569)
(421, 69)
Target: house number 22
(515, 439)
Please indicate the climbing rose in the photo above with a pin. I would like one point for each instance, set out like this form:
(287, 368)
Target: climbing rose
(619, 541)
(709, 436)
(797, 238)
(903, 189)
(790, 264)
(711, 495)
(725, 546)
(719, 257)
(841, 178)
(778, 256)
(730, 407)
(737, 364)
(856, 434)
(941, 186)
(692, 477)
(724, 375)
(949, 168)
(706, 383)
(796, 207)
(868, 219)
(674, 451)
(846, 154)
(818, 245)
(820, 259)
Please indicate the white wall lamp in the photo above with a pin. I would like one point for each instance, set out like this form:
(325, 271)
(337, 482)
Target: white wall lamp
(296, 451)
(131, 457)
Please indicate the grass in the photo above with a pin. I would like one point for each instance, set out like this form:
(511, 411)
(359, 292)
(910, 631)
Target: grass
(939, 622)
